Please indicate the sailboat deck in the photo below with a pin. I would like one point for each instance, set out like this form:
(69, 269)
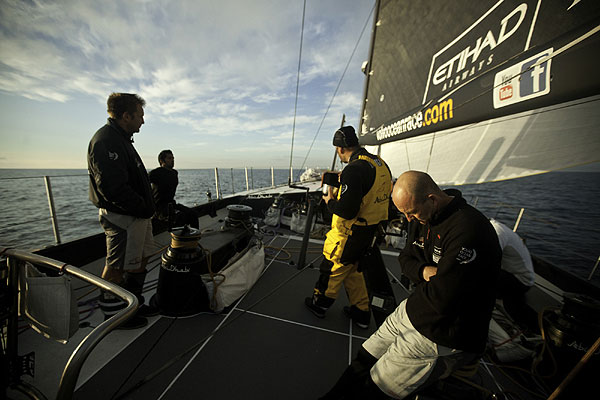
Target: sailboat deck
(267, 345)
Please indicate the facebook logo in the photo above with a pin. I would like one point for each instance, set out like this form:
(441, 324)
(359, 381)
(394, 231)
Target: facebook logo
(534, 76)
(524, 80)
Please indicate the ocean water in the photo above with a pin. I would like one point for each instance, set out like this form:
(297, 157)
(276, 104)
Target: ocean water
(25, 212)
(561, 219)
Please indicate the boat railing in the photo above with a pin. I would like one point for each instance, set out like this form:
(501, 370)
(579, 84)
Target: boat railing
(249, 180)
(249, 183)
(54, 216)
(71, 371)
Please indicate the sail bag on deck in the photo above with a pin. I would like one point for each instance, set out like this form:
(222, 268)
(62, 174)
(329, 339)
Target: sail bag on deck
(234, 280)
(48, 303)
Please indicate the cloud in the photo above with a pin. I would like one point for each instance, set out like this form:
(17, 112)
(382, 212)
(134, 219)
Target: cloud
(225, 67)
(161, 42)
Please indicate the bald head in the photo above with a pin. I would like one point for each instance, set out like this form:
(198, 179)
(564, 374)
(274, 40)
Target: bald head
(416, 184)
(418, 197)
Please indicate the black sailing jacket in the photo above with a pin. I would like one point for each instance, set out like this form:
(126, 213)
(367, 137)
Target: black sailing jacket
(118, 179)
(164, 186)
(454, 308)
(356, 181)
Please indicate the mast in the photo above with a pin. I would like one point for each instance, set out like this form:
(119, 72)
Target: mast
(367, 69)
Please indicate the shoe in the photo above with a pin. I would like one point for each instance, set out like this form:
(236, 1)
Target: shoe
(318, 311)
(135, 322)
(361, 318)
(111, 305)
(148, 310)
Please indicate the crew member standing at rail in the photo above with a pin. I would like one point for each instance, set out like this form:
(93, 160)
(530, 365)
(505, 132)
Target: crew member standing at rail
(120, 188)
(361, 202)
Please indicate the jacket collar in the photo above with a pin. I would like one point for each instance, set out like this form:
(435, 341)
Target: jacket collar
(113, 123)
(457, 202)
(357, 153)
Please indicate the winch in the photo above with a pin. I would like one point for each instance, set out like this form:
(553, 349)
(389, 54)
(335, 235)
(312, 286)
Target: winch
(572, 331)
(238, 216)
(577, 324)
(180, 290)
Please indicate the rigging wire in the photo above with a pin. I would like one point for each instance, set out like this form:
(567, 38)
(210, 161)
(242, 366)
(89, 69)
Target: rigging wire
(338, 86)
(297, 88)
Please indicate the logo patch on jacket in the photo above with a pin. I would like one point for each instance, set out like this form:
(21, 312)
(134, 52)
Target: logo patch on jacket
(113, 156)
(465, 255)
(343, 188)
(437, 254)
(420, 242)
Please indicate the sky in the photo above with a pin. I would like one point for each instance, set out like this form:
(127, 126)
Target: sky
(219, 78)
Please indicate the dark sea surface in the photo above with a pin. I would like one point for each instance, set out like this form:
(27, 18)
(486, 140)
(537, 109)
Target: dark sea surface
(560, 222)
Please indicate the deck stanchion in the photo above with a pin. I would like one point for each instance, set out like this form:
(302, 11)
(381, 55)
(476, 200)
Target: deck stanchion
(252, 177)
(52, 210)
(247, 185)
(12, 327)
(232, 189)
(518, 219)
(272, 178)
(217, 183)
(594, 269)
(304, 247)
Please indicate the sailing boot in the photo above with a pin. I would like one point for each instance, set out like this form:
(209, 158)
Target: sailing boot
(134, 282)
(361, 318)
(111, 305)
(356, 382)
(318, 304)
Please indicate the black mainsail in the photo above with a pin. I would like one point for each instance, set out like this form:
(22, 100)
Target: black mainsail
(482, 91)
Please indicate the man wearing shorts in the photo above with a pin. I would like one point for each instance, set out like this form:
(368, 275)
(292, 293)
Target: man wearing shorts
(120, 188)
(453, 257)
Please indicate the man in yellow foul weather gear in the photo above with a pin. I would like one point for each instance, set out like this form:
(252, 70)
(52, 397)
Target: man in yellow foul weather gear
(358, 205)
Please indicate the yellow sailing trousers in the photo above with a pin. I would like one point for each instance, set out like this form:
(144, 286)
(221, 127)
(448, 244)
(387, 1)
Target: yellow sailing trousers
(353, 281)
(342, 254)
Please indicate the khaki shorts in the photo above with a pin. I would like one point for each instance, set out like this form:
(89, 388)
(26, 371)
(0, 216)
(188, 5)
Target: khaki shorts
(408, 360)
(128, 240)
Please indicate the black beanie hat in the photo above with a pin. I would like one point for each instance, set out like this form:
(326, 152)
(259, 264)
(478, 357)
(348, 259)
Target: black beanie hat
(345, 137)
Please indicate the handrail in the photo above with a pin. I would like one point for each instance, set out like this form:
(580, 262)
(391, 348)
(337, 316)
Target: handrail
(73, 367)
(54, 216)
(6, 178)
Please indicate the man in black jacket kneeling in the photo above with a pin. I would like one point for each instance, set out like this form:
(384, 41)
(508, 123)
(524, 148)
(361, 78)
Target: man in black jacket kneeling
(453, 257)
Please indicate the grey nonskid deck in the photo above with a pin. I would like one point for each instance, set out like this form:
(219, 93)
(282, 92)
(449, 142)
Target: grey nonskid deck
(266, 345)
